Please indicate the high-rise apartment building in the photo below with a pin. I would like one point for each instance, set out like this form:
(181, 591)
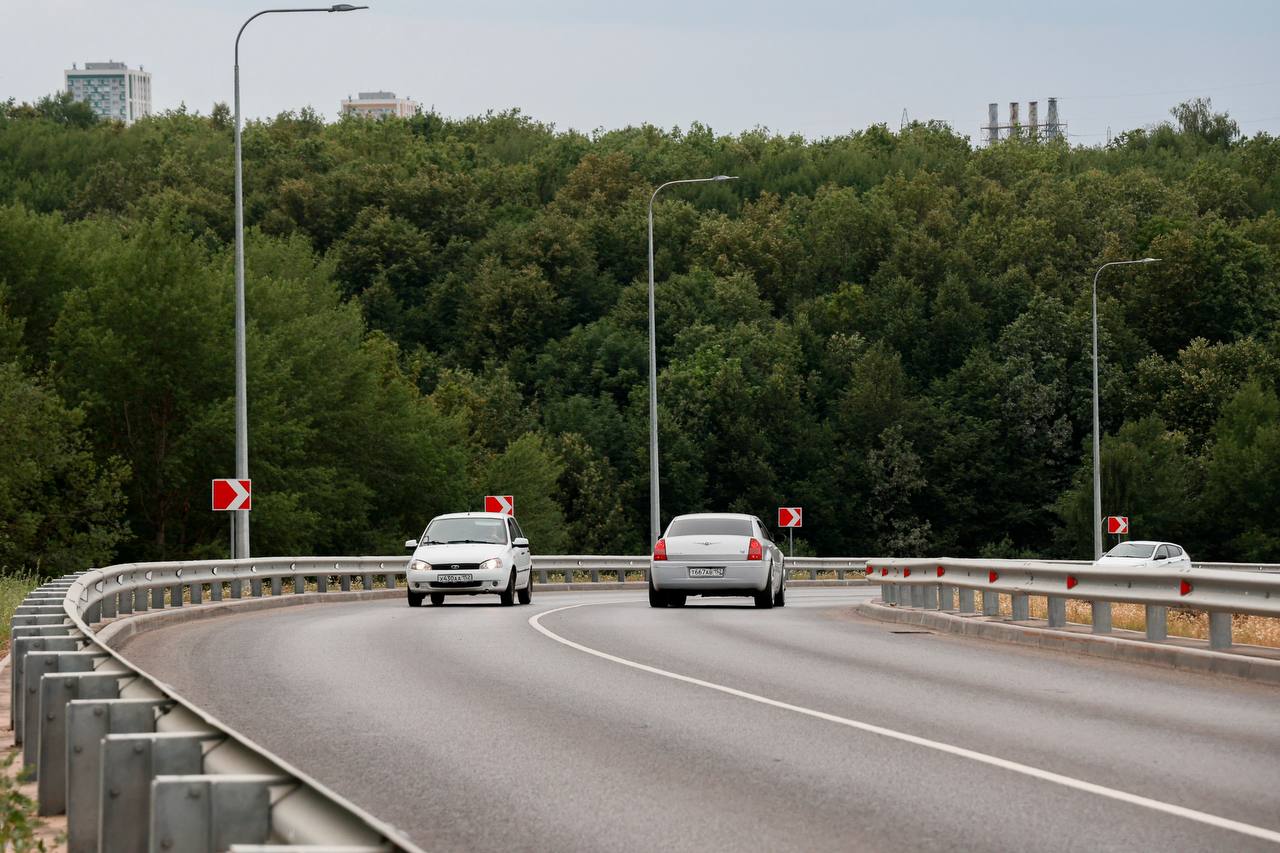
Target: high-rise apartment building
(112, 89)
(379, 105)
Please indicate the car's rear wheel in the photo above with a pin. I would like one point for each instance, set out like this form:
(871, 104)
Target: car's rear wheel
(656, 599)
(780, 600)
(415, 598)
(508, 595)
(526, 595)
(764, 598)
(676, 599)
(437, 599)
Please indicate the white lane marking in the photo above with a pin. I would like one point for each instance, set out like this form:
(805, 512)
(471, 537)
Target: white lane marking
(973, 755)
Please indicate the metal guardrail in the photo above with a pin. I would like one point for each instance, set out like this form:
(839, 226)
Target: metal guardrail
(612, 565)
(1220, 592)
(136, 767)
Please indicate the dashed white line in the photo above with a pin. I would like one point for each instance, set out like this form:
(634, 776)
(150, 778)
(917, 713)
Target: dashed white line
(535, 622)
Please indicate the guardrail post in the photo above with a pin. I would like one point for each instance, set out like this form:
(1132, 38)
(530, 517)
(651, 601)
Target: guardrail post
(966, 600)
(930, 596)
(88, 722)
(157, 597)
(129, 763)
(889, 593)
(1057, 611)
(990, 603)
(917, 595)
(1157, 622)
(175, 595)
(1021, 607)
(125, 605)
(277, 585)
(1219, 630)
(21, 649)
(322, 583)
(299, 584)
(107, 607)
(813, 574)
(206, 814)
(366, 581)
(542, 575)
(215, 589)
(946, 597)
(1101, 617)
(237, 588)
(390, 581)
(197, 592)
(56, 692)
(344, 582)
(140, 599)
(40, 664)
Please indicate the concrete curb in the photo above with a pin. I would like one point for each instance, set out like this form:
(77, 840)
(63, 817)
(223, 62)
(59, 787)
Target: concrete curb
(1094, 645)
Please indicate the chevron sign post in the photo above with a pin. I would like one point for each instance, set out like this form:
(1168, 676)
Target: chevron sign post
(505, 504)
(791, 517)
(232, 495)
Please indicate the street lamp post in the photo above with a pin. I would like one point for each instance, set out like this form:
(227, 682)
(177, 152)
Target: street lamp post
(241, 526)
(1097, 457)
(654, 512)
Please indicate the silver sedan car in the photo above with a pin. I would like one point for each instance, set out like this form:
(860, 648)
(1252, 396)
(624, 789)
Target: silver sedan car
(717, 553)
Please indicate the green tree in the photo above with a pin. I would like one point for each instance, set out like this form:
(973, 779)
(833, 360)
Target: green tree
(1241, 503)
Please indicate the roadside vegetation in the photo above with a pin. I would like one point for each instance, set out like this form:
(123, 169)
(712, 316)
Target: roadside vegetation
(13, 588)
(890, 328)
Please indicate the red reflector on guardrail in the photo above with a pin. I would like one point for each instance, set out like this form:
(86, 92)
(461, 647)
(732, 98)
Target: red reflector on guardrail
(993, 577)
(941, 571)
(1184, 588)
(906, 573)
(1071, 582)
(883, 570)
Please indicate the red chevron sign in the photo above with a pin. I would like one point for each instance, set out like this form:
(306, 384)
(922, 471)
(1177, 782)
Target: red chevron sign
(505, 504)
(1117, 524)
(790, 516)
(231, 495)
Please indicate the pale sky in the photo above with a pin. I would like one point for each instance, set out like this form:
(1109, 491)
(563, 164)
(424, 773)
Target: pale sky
(813, 67)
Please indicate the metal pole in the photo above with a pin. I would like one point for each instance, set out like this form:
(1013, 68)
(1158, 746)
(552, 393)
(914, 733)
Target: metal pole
(791, 541)
(240, 541)
(1097, 455)
(655, 511)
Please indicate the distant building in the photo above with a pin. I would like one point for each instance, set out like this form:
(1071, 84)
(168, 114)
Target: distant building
(112, 89)
(379, 105)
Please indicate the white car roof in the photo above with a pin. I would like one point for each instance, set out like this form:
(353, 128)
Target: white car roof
(1146, 542)
(471, 515)
(740, 515)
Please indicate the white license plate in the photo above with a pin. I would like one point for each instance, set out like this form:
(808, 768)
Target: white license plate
(452, 578)
(706, 571)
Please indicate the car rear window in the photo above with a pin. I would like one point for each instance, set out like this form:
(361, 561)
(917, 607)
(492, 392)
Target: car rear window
(1131, 549)
(710, 527)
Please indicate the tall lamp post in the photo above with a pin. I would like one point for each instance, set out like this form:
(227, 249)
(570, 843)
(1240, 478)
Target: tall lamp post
(1097, 456)
(654, 513)
(241, 538)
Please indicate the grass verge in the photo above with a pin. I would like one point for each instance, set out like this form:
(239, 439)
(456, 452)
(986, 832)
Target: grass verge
(13, 588)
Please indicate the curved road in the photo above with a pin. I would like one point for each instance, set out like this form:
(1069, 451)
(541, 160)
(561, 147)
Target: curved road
(612, 726)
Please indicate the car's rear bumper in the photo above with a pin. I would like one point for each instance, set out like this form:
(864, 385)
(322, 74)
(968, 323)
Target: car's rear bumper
(743, 576)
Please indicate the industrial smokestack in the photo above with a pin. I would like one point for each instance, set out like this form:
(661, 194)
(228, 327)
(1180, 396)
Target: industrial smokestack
(1033, 123)
(1013, 119)
(993, 123)
(1051, 130)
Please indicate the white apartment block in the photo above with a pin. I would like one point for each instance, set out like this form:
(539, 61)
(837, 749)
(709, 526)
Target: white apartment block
(112, 89)
(379, 105)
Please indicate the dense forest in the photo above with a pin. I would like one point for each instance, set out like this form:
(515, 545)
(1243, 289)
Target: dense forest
(890, 329)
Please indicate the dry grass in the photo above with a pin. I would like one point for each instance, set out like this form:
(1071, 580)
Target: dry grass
(13, 588)
(1247, 630)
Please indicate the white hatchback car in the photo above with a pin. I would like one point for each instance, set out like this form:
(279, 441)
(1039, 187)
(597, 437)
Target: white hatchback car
(470, 553)
(717, 553)
(1141, 554)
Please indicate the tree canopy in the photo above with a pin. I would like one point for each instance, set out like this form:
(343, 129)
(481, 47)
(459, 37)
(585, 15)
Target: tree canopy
(890, 329)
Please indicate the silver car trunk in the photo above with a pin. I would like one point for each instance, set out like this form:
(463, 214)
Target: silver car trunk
(707, 549)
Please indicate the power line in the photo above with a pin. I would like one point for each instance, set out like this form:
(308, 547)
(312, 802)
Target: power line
(1170, 92)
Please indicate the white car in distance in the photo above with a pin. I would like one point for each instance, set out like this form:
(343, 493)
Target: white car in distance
(717, 553)
(1143, 554)
(470, 553)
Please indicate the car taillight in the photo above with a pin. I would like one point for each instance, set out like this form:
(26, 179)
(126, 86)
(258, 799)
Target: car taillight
(660, 550)
(754, 550)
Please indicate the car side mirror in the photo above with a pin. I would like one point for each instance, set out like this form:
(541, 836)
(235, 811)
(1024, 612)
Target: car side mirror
(412, 543)
(520, 542)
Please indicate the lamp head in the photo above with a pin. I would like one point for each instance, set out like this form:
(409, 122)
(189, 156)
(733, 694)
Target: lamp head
(345, 7)
(725, 178)
(1150, 260)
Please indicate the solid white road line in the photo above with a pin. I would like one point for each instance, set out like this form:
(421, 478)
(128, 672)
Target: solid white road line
(1026, 770)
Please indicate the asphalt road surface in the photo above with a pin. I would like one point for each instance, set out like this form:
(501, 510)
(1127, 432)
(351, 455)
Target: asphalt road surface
(590, 722)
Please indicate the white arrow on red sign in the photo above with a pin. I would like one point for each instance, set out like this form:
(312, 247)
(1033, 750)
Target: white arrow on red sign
(505, 504)
(790, 516)
(232, 495)
(1117, 524)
